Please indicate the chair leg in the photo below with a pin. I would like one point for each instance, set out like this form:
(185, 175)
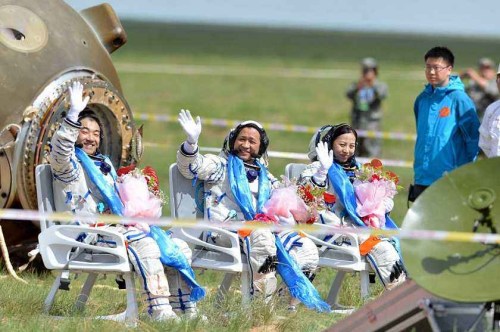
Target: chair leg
(245, 288)
(85, 292)
(132, 313)
(49, 300)
(365, 284)
(224, 287)
(335, 289)
(130, 316)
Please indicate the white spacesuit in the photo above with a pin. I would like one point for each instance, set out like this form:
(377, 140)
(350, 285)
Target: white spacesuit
(245, 146)
(382, 255)
(76, 190)
(489, 131)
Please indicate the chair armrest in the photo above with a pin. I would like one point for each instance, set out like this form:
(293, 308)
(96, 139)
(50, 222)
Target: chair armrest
(331, 230)
(192, 239)
(58, 242)
(352, 249)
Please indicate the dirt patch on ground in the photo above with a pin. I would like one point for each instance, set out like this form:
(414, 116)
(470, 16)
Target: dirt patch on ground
(266, 328)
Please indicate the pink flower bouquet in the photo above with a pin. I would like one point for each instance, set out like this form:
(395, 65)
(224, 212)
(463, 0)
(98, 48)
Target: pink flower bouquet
(375, 188)
(140, 193)
(298, 203)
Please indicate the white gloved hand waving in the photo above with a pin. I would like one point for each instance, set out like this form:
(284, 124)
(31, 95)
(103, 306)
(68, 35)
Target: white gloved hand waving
(325, 158)
(191, 127)
(78, 103)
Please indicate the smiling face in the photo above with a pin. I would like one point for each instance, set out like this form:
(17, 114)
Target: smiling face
(89, 136)
(247, 144)
(344, 147)
(437, 71)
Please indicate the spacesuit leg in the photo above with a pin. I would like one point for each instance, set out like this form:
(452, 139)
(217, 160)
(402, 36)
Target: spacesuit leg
(180, 291)
(260, 249)
(144, 255)
(385, 261)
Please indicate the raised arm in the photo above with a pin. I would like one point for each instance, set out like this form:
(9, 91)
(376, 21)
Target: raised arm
(62, 154)
(191, 163)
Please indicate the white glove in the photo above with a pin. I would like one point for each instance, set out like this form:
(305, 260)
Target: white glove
(387, 264)
(191, 128)
(325, 158)
(78, 104)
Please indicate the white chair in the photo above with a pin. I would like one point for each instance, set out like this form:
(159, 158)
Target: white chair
(61, 251)
(186, 199)
(344, 257)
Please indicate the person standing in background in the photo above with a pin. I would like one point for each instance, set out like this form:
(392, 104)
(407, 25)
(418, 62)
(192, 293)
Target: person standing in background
(446, 121)
(366, 95)
(482, 86)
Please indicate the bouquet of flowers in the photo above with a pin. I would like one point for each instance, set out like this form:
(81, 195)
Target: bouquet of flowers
(375, 189)
(316, 199)
(140, 192)
(299, 203)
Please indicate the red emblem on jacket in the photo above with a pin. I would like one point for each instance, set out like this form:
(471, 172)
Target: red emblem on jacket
(444, 112)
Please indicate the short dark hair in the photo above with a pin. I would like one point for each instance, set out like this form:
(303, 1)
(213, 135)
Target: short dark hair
(441, 52)
(87, 113)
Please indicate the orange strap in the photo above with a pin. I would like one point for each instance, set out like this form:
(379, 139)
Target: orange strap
(244, 232)
(367, 246)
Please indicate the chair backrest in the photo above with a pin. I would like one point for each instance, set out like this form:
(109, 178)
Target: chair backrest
(183, 202)
(45, 193)
(186, 202)
(293, 170)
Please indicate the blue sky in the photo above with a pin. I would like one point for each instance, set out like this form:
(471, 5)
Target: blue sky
(481, 18)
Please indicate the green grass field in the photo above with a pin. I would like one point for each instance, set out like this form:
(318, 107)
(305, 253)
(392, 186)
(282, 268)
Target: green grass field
(241, 84)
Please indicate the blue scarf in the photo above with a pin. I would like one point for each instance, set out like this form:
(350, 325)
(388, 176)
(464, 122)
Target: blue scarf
(241, 188)
(108, 191)
(173, 257)
(298, 284)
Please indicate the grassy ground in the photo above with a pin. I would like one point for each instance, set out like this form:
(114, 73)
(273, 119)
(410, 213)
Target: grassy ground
(22, 306)
(265, 98)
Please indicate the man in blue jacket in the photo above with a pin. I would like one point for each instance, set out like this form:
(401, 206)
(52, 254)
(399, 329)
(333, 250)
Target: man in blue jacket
(446, 120)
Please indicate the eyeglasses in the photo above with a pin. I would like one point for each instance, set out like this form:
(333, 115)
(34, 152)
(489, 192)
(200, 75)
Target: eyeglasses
(436, 69)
